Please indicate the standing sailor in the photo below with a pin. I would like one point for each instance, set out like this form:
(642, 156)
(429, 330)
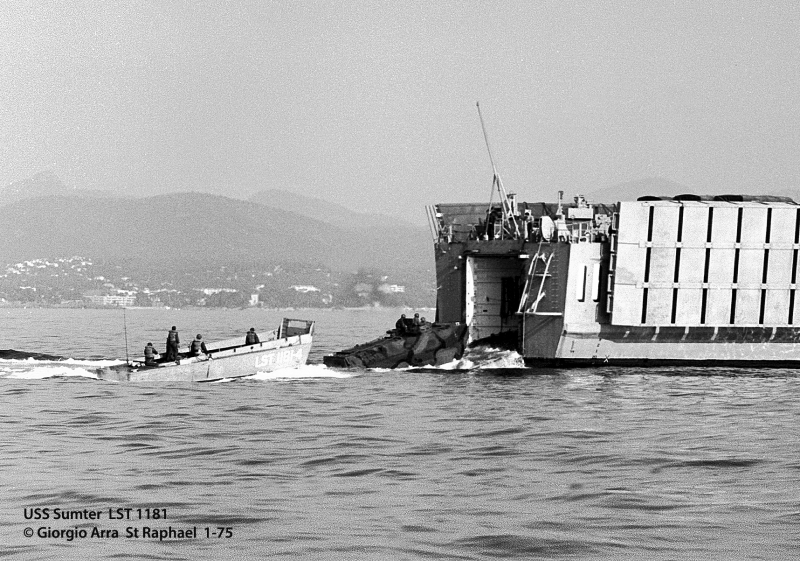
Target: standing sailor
(173, 341)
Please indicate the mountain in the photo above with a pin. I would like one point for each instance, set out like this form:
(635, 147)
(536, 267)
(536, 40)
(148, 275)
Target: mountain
(43, 184)
(194, 228)
(336, 214)
(385, 239)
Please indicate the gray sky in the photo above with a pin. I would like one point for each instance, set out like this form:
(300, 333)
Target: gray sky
(373, 104)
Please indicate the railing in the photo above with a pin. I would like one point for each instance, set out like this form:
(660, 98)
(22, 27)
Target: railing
(433, 222)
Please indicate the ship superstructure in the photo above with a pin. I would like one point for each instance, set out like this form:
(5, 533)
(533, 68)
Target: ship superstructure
(661, 280)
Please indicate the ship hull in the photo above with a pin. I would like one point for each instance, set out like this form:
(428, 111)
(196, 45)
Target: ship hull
(655, 363)
(635, 345)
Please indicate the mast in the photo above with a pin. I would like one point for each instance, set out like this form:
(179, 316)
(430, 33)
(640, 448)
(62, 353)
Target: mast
(125, 328)
(508, 214)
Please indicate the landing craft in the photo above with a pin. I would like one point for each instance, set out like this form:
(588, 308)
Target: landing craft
(285, 347)
(429, 345)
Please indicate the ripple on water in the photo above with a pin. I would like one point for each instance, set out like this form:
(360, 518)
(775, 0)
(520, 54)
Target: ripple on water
(618, 463)
(515, 546)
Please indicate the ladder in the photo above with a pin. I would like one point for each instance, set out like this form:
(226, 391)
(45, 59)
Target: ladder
(532, 308)
(528, 281)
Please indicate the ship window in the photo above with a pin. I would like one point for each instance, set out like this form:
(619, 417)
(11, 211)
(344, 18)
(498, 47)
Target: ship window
(580, 288)
(596, 282)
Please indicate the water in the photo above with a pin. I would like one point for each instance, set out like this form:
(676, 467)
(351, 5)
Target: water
(484, 463)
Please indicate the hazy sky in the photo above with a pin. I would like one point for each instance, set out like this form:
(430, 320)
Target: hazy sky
(373, 104)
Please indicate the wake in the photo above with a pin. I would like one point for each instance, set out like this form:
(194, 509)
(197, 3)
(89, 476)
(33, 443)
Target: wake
(35, 369)
(483, 358)
(486, 358)
(27, 366)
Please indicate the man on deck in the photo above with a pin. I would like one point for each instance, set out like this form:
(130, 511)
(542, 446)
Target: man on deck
(150, 355)
(198, 346)
(173, 341)
(252, 337)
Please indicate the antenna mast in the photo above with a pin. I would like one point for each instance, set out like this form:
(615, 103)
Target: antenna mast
(125, 328)
(508, 214)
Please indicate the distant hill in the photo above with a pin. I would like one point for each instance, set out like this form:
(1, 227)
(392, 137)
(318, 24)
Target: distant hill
(43, 184)
(332, 213)
(192, 228)
(385, 239)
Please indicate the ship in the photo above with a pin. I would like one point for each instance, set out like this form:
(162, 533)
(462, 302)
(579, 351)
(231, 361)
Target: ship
(691, 280)
(686, 280)
(287, 346)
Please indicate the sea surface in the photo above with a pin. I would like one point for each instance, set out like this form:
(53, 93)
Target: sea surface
(480, 459)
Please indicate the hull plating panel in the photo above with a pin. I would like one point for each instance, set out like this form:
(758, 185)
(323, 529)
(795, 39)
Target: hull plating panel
(706, 263)
(683, 352)
(726, 345)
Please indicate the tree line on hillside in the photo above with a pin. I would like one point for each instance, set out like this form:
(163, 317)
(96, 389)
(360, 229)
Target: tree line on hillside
(80, 281)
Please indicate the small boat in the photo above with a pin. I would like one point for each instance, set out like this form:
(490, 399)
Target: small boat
(432, 345)
(285, 347)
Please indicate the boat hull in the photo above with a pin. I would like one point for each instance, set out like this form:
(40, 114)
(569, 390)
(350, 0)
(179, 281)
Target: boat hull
(228, 359)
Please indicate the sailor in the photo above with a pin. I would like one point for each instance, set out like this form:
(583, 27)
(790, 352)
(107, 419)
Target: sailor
(494, 224)
(150, 355)
(400, 324)
(415, 324)
(198, 346)
(527, 225)
(173, 341)
(252, 337)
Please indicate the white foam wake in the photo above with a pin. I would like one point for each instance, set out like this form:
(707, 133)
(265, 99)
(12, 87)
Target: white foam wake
(32, 369)
(32, 362)
(477, 358)
(41, 372)
(486, 358)
(305, 371)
